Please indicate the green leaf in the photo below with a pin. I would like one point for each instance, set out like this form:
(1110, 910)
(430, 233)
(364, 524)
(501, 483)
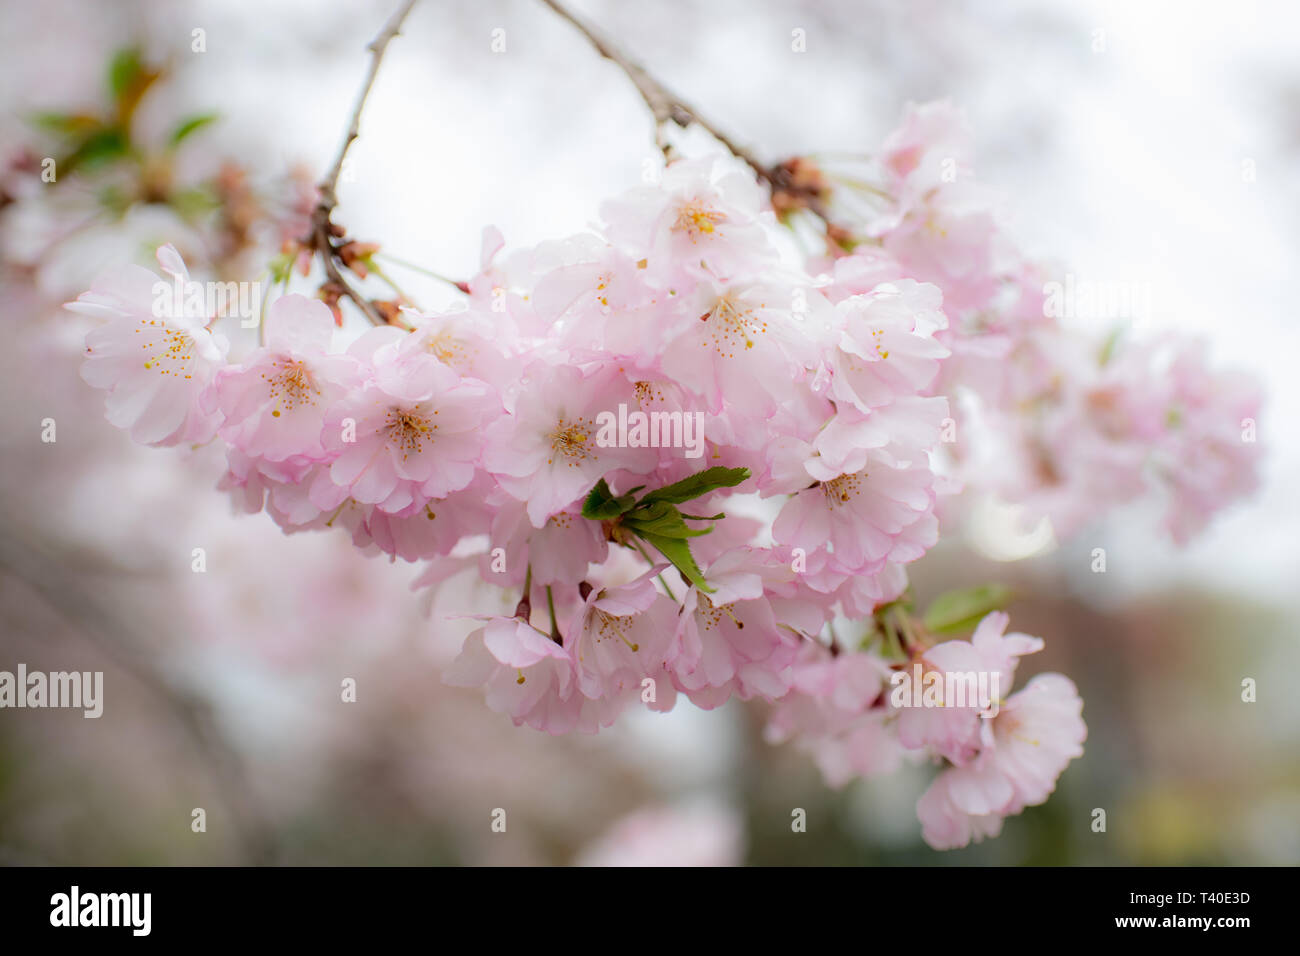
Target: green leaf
(656, 520)
(700, 483)
(129, 79)
(957, 611)
(661, 519)
(601, 505)
(124, 71)
(69, 125)
(191, 124)
(649, 513)
(678, 552)
(102, 147)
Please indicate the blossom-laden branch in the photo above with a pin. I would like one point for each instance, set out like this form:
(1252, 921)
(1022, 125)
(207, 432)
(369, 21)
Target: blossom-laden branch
(496, 423)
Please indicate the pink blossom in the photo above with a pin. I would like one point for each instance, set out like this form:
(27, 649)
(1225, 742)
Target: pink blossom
(730, 642)
(741, 341)
(705, 215)
(1025, 749)
(524, 674)
(274, 403)
(950, 730)
(860, 521)
(546, 452)
(831, 712)
(887, 347)
(699, 835)
(471, 343)
(619, 636)
(1209, 453)
(559, 552)
(412, 433)
(154, 356)
(429, 532)
(907, 429)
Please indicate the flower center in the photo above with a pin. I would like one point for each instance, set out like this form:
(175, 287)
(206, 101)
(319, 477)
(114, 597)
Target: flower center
(408, 430)
(570, 441)
(608, 626)
(168, 351)
(730, 327)
(712, 614)
(648, 393)
(839, 491)
(696, 219)
(447, 348)
(878, 336)
(292, 387)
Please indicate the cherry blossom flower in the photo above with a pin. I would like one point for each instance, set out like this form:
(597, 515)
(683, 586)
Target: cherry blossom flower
(546, 453)
(703, 834)
(1038, 731)
(619, 636)
(154, 356)
(273, 404)
(410, 434)
(739, 341)
(951, 729)
(729, 642)
(705, 215)
(860, 521)
(524, 674)
(887, 347)
(831, 713)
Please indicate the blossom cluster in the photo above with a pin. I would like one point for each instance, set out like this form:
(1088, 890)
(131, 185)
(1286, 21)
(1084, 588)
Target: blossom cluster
(480, 438)
(1050, 415)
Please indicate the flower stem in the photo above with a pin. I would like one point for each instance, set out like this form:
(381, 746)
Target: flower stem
(406, 264)
(524, 609)
(550, 607)
(637, 544)
(391, 284)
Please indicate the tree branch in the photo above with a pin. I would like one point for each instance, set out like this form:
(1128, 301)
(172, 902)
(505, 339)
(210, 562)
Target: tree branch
(322, 234)
(665, 106)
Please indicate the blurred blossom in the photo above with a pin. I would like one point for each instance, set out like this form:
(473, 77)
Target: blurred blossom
(700, 834)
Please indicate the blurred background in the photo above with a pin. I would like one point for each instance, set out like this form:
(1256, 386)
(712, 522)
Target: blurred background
(1155, 143)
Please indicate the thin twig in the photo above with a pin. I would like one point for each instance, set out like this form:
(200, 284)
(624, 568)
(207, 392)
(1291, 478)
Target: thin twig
(322, 235)
(377, 47)
(665, 106)
(407, 264)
